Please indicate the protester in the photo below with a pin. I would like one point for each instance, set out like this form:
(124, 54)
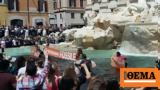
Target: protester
(79, 53)
(118, 61)
(83, 72)
(90, 64)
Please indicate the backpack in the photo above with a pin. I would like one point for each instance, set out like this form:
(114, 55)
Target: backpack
(82, 75)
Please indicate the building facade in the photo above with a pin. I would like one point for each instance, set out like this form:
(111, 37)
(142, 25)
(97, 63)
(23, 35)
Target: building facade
(3, 12)
(107, 6)
(67, 13)
(28, 12)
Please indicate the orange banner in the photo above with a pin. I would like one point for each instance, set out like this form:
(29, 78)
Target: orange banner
(139, 77)
(60, 54)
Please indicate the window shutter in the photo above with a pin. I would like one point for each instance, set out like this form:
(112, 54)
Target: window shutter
(40, 5)
(10, 5)
(46, 6)
(17, 5)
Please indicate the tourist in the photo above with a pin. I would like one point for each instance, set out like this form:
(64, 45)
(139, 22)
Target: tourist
(1, 56)
(44, 33)
(39, 31)
(112, 85)
(6, 34)
(22, 70)
(31, 80)
(1, 33)
(97, 83)
(26, 33)
(39, 66)
(19, 63)
(8, 81)
(3, 45)
(53, 79)
(69, 79)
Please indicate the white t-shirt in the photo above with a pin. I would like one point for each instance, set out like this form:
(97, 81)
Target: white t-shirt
(40, 70)
(26, 33)
(44, 32)
(14, 42)
(6, 33)
(39, 30)
(3, 44)
(21, 71)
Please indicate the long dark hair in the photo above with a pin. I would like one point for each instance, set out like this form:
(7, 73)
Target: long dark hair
(51, 73)
(31, 68)
(20, 62)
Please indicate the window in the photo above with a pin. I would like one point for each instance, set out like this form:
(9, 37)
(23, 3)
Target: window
(133, 1)
(113, 0)
(72, 3)
(60, 3)
(81, 3)
(46, 6)
(150, 0)
(55, 16)
(72, 15)
(82, 15)
(42, 6)
(60, 16)
(38, 20)
(55, 26)
(54, 5)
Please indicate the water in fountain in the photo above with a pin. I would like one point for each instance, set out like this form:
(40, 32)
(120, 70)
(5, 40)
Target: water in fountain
(140, 40)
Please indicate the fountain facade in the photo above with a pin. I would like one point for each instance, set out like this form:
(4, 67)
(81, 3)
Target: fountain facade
(106, 22)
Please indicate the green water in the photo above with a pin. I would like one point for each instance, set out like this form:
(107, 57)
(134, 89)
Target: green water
(18, 51)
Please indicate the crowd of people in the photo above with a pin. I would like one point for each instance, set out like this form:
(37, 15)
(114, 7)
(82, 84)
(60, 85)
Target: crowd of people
(40, 73)
(23, 36)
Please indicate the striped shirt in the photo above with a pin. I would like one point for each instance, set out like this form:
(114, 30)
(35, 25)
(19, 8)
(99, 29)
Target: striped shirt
(33, 83)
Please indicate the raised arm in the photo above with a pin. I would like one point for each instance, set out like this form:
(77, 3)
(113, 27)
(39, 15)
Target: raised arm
(88, 74)
(45, 69)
